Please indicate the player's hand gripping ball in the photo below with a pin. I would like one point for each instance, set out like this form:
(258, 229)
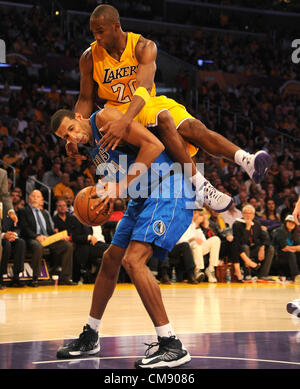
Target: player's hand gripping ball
(83, 203)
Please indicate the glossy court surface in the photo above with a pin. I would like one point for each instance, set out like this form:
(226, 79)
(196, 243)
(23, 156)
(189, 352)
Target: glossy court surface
(236, 326)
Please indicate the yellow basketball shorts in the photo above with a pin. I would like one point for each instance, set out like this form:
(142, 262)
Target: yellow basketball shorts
(148, 116)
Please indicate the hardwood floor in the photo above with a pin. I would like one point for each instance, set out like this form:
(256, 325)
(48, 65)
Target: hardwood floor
(50, 312)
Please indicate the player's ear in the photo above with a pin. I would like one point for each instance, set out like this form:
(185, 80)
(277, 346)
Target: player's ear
(78, 116)
(117, 26)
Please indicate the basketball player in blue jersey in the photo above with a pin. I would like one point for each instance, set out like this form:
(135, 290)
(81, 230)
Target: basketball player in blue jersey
(151, 226)
(121, 66)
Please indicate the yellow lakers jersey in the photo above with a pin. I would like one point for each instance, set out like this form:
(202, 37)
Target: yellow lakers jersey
(116, 79)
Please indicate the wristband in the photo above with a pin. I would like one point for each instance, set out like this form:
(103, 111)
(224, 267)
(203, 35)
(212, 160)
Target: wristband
(143, 93)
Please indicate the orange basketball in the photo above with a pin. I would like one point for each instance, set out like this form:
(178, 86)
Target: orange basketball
(82, 208)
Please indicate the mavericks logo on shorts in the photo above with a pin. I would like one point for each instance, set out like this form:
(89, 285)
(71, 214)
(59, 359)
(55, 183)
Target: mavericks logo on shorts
(159, 227)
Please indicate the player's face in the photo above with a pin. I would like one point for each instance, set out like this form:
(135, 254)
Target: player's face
(72, 131)
(103, 31)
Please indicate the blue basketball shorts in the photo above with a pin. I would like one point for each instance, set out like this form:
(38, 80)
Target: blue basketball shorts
(159, 222)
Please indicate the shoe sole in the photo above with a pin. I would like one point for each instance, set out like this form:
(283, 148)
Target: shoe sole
(262, 163)
(293, 309)
(74, 354)
(164, 365)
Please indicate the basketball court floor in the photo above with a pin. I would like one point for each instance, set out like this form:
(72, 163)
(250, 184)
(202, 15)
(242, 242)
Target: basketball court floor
(224, 326)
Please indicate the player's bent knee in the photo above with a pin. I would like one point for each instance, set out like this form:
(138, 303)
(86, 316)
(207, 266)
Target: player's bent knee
(130, 264)
(110, 260)
(134, 261)
(165, 120)
(107, 258)
(192, 127)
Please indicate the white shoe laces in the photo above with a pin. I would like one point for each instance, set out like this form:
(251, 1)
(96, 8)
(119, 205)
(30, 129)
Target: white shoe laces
(211, 193)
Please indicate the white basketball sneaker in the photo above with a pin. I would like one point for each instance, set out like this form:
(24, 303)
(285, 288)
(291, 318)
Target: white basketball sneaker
(212, 197)
(257, 165)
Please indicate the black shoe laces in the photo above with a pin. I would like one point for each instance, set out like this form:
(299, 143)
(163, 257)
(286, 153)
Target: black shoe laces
(161, 343)
(85, 335)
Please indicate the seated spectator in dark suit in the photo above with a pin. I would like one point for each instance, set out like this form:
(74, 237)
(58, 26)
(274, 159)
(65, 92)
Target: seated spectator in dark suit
(89, 248)
(287, 247)
(35, 225)
(13, 248)
(62, 219)
(251, 244)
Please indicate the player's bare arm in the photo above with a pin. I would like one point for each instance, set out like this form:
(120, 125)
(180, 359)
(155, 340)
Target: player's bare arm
(146, 53)
(149, 146)
(84, 104)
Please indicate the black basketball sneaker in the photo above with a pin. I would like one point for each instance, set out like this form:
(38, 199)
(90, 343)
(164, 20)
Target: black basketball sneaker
(87, 344)
(170, 354)
(293, 307)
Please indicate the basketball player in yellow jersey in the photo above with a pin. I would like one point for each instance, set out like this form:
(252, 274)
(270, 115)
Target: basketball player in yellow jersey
(123, 66)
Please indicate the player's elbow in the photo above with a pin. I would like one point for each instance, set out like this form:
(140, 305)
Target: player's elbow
(85, 98)
(157, 147)
(161, 148)
(153, 148)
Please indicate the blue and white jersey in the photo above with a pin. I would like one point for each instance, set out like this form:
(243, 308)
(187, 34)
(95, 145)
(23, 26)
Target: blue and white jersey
(163, 179)
(160, 210)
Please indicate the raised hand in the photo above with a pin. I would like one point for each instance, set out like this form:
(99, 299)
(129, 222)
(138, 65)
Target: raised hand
(72, 151)
(113, 134)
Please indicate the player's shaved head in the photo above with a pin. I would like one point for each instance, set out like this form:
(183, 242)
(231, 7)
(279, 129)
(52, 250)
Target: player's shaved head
(108, 12)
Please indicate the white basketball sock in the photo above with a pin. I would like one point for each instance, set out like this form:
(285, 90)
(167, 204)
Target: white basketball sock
(165, 331)
(94, 323)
